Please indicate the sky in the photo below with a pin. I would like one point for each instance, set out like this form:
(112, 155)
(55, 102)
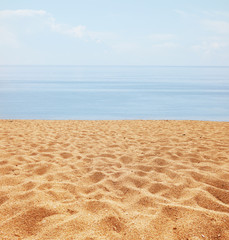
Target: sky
(114, 32)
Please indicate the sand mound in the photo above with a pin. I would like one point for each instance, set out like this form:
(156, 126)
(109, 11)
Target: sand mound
(114, 180)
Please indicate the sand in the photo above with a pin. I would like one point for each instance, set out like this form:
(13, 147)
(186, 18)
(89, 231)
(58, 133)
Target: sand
(114, 180)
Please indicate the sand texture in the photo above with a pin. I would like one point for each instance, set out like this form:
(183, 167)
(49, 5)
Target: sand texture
(116, 180)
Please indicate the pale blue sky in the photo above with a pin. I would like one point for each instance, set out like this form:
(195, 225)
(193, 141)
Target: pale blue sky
(115, 32)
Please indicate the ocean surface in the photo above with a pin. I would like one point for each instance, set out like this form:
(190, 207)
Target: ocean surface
(114, 92)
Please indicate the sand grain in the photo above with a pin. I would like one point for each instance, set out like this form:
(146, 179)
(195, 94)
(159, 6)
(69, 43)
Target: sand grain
(114, 180)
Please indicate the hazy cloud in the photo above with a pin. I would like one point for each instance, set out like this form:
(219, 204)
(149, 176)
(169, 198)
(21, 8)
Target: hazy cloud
(209, 47)
(165, 45)
(221, 27)
(161, 37)
(7, 38)
(180, 12)
(216, 13)
(126, 47)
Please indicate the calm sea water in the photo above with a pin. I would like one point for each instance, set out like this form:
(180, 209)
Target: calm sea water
(114, 92)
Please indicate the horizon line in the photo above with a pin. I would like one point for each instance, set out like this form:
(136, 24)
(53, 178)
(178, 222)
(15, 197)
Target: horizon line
(111, 65)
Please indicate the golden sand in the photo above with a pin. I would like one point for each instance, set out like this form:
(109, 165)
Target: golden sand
(116, 180)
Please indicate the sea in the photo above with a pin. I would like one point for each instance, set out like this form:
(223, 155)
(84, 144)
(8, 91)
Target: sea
(114, 92)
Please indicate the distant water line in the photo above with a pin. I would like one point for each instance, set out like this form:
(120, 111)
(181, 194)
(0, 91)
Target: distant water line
(114, 92)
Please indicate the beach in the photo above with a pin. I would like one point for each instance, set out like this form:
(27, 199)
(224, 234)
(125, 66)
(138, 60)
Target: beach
(130, 180)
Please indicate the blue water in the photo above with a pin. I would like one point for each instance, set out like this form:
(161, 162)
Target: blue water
(114, 92)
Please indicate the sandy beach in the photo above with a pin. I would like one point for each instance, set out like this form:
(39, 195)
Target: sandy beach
(116, 180)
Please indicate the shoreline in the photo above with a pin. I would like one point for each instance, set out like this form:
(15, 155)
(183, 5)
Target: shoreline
(111, 120)
(114, 179)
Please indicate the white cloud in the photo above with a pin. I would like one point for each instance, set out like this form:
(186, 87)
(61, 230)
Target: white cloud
(221, 27)
(78, 32)
(21, 13)
(46, 19)
(102, 36)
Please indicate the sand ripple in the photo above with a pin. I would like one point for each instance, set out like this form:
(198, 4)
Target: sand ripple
(114, 180)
